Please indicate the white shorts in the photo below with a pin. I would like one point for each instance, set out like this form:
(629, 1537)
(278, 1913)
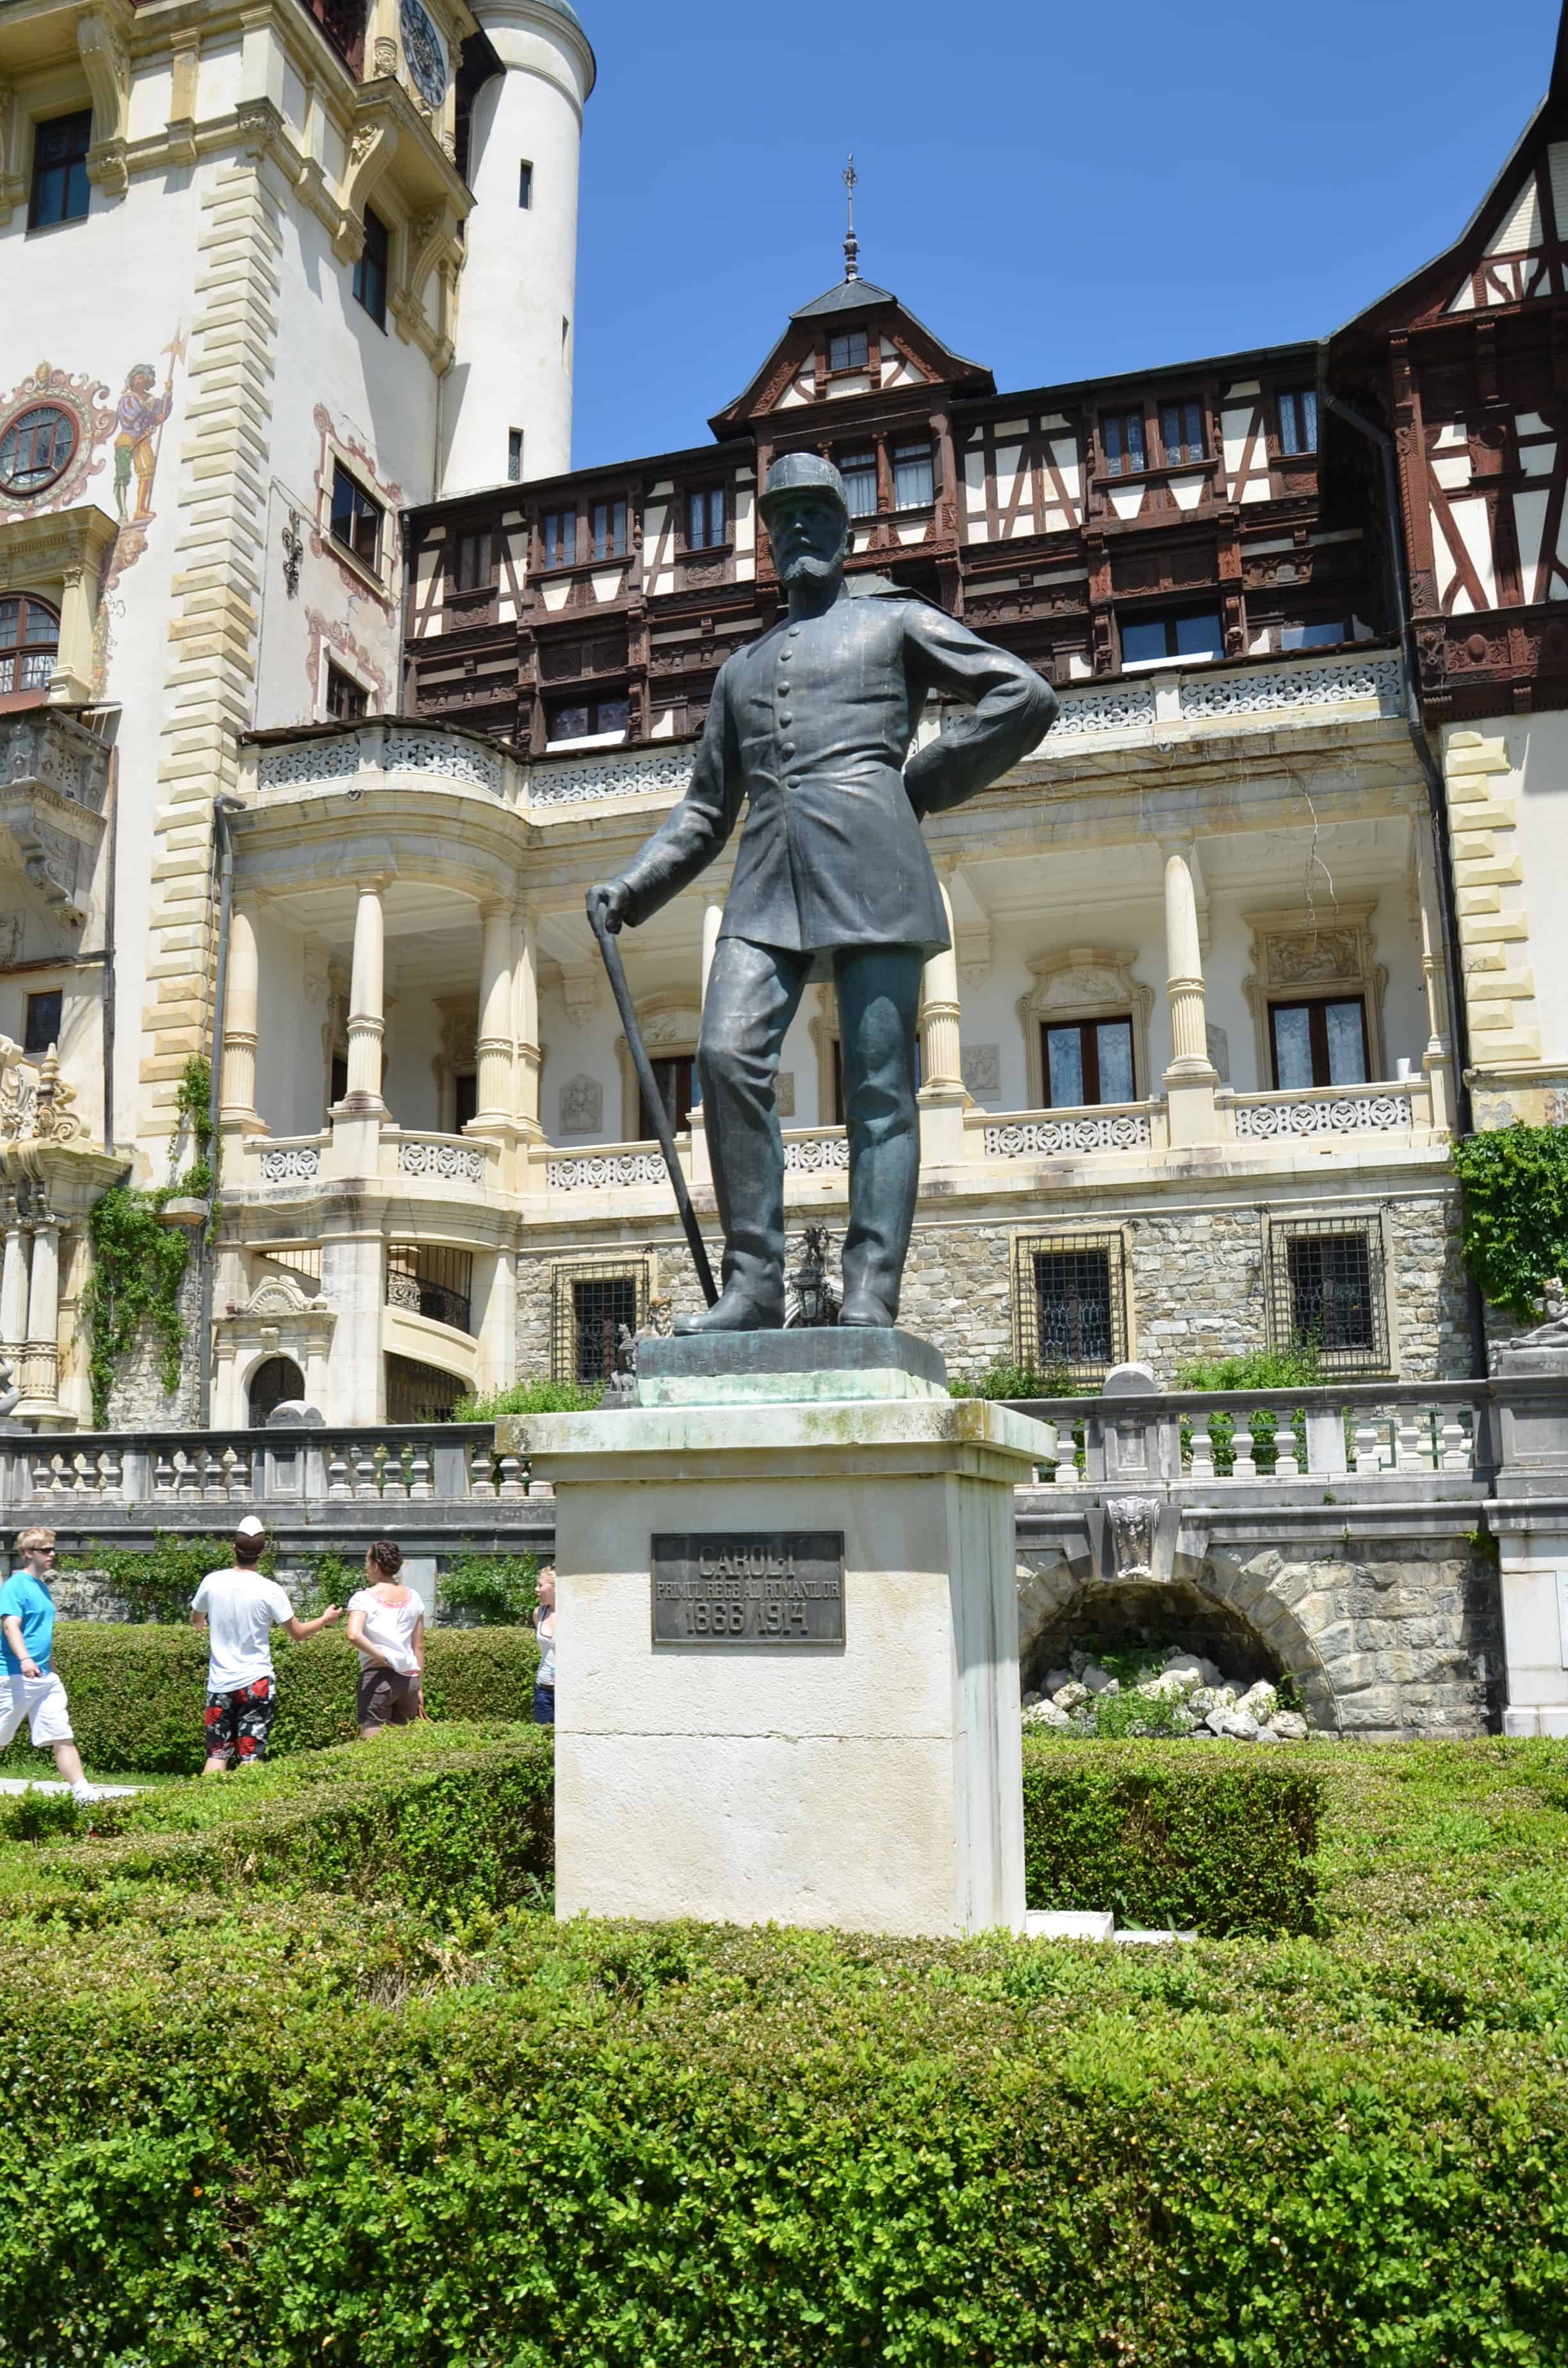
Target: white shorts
(40, 1701)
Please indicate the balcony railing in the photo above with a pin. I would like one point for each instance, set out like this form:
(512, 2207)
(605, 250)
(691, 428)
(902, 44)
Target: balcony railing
(1388, 1431)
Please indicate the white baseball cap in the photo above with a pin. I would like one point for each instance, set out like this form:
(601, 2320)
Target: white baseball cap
(251, 1528)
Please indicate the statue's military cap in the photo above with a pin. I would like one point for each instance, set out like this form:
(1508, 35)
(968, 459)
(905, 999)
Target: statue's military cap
(803, 473)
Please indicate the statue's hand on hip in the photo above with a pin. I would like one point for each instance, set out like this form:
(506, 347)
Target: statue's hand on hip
(608, 901)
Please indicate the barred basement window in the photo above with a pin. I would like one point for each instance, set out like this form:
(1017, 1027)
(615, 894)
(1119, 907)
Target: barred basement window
(1070, 1304)
(1325, 1292)
(589, 1305)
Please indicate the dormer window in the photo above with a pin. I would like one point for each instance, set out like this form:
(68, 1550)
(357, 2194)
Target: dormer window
(914, 486)
(850, 350)
(858, 471)
(1181, 431)
(1123, 434)
(705, 518)
(607, 522)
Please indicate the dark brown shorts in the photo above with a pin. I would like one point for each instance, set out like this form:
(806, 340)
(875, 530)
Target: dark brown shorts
(387, 1697)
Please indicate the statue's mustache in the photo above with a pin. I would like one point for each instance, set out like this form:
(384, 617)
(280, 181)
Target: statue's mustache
(815, 571)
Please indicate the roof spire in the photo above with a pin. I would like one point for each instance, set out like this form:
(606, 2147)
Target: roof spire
(851, 244)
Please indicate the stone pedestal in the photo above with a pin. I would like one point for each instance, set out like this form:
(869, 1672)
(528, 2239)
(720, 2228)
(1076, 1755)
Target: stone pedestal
(873, 1783)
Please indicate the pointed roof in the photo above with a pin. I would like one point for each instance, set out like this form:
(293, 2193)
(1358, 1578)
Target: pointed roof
(1428, 292)
(844, 299)
(940, 365)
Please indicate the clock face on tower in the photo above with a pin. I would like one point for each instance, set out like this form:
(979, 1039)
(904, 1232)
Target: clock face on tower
(426, 58)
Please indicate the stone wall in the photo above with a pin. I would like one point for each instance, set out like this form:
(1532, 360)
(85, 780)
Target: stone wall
(138, 1400)
(1196, 1281)
(1392, 1637)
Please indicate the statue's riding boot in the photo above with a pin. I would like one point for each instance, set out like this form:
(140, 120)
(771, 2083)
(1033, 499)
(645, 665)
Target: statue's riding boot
(748, 1303)
(879, 992)
(753, 992)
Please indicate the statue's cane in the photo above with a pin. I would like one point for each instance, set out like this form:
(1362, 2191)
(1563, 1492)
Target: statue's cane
(654, 1100)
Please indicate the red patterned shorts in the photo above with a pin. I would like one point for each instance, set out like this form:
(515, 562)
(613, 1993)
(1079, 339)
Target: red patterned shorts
(238, 1724)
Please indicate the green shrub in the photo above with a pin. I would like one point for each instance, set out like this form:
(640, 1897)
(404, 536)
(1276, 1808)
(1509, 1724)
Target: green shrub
(1258, 1368)
(159, 1584)
(1003, 1379)
(137, 1692)
(249, 2120)
(448, 1822)
(530, 1397)
(491, 1591)
(1216, 1842)
(1515, 1219)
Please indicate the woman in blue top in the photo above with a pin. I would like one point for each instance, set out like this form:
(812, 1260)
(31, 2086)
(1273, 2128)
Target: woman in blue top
(28, 1687)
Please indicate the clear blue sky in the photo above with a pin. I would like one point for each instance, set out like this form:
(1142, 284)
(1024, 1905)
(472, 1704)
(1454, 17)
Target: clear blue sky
(1057, 191)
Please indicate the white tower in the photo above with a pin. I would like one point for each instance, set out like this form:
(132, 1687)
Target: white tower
(512, 375)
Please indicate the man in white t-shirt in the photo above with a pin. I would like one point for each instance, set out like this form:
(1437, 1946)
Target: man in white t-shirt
(239, 1608)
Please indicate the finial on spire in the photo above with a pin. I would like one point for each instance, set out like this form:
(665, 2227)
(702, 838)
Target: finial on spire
(851, 244)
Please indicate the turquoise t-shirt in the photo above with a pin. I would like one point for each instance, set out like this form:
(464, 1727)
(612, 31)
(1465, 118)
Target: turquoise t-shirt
(25, 1598)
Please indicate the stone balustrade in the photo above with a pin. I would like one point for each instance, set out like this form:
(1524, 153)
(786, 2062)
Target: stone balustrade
(1384, 1431)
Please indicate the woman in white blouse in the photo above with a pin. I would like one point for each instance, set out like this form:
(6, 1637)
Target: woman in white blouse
(386, 1625)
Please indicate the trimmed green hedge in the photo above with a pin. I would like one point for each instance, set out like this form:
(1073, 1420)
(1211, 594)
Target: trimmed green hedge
(1217, 1842)
(450, 1819)
(136, 1692)
(249, 2120)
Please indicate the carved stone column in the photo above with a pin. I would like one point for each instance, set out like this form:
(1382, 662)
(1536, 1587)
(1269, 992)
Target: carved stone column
(14, 1288)
(367, 1021)
(495, 1038)
(713, 916)
(241, 1021)
(1438, 1061)
(1191, 1077)
(525, 1088)
(942, 1096)
(40, 1356)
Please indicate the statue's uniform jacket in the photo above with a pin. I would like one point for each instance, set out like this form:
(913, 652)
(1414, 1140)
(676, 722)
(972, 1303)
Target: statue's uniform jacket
(810, 725)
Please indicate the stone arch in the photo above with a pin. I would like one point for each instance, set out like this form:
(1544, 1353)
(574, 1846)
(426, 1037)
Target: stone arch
(1224, 1605)
(268, 1383)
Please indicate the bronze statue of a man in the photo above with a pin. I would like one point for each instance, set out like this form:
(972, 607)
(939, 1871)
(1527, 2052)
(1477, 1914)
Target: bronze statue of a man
(810, 725)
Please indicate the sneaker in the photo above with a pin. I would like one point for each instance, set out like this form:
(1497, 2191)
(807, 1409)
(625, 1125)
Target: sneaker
(86, 1793)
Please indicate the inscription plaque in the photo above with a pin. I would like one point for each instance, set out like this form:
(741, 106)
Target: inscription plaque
(748, 1587)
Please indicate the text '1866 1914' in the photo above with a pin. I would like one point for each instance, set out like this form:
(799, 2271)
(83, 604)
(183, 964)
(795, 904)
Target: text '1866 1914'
(748, 1587)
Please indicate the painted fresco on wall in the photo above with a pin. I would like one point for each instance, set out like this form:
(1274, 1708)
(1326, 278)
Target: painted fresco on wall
(138, 419)
(359, 662)
(363, 639)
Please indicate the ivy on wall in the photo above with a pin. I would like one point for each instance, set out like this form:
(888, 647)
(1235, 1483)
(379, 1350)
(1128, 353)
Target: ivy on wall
(1515, 1225)
(139, 1263)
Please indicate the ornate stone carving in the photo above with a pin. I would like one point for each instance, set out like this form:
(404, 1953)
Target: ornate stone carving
(1050, 1137)
(1133, 1521)
(1218, 1045)
(980, 1065)
(1317, 959)
(1389, 1106)
(290, 1164)
(618, 773)
(581, 1107)
(605, 1175)
(453, 1163)
(784, 1092)
(817, 1153)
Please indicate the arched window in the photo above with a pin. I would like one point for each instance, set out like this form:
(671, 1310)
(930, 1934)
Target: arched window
(29, 647)
(278, 1379)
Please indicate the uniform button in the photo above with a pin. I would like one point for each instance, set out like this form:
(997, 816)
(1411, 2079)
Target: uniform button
(789, 747)
(792, 784)
(785, 719)
(794, 632)
(785, 656)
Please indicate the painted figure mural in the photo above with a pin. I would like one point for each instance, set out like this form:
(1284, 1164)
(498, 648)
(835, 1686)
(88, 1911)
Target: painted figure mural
(139, 416)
